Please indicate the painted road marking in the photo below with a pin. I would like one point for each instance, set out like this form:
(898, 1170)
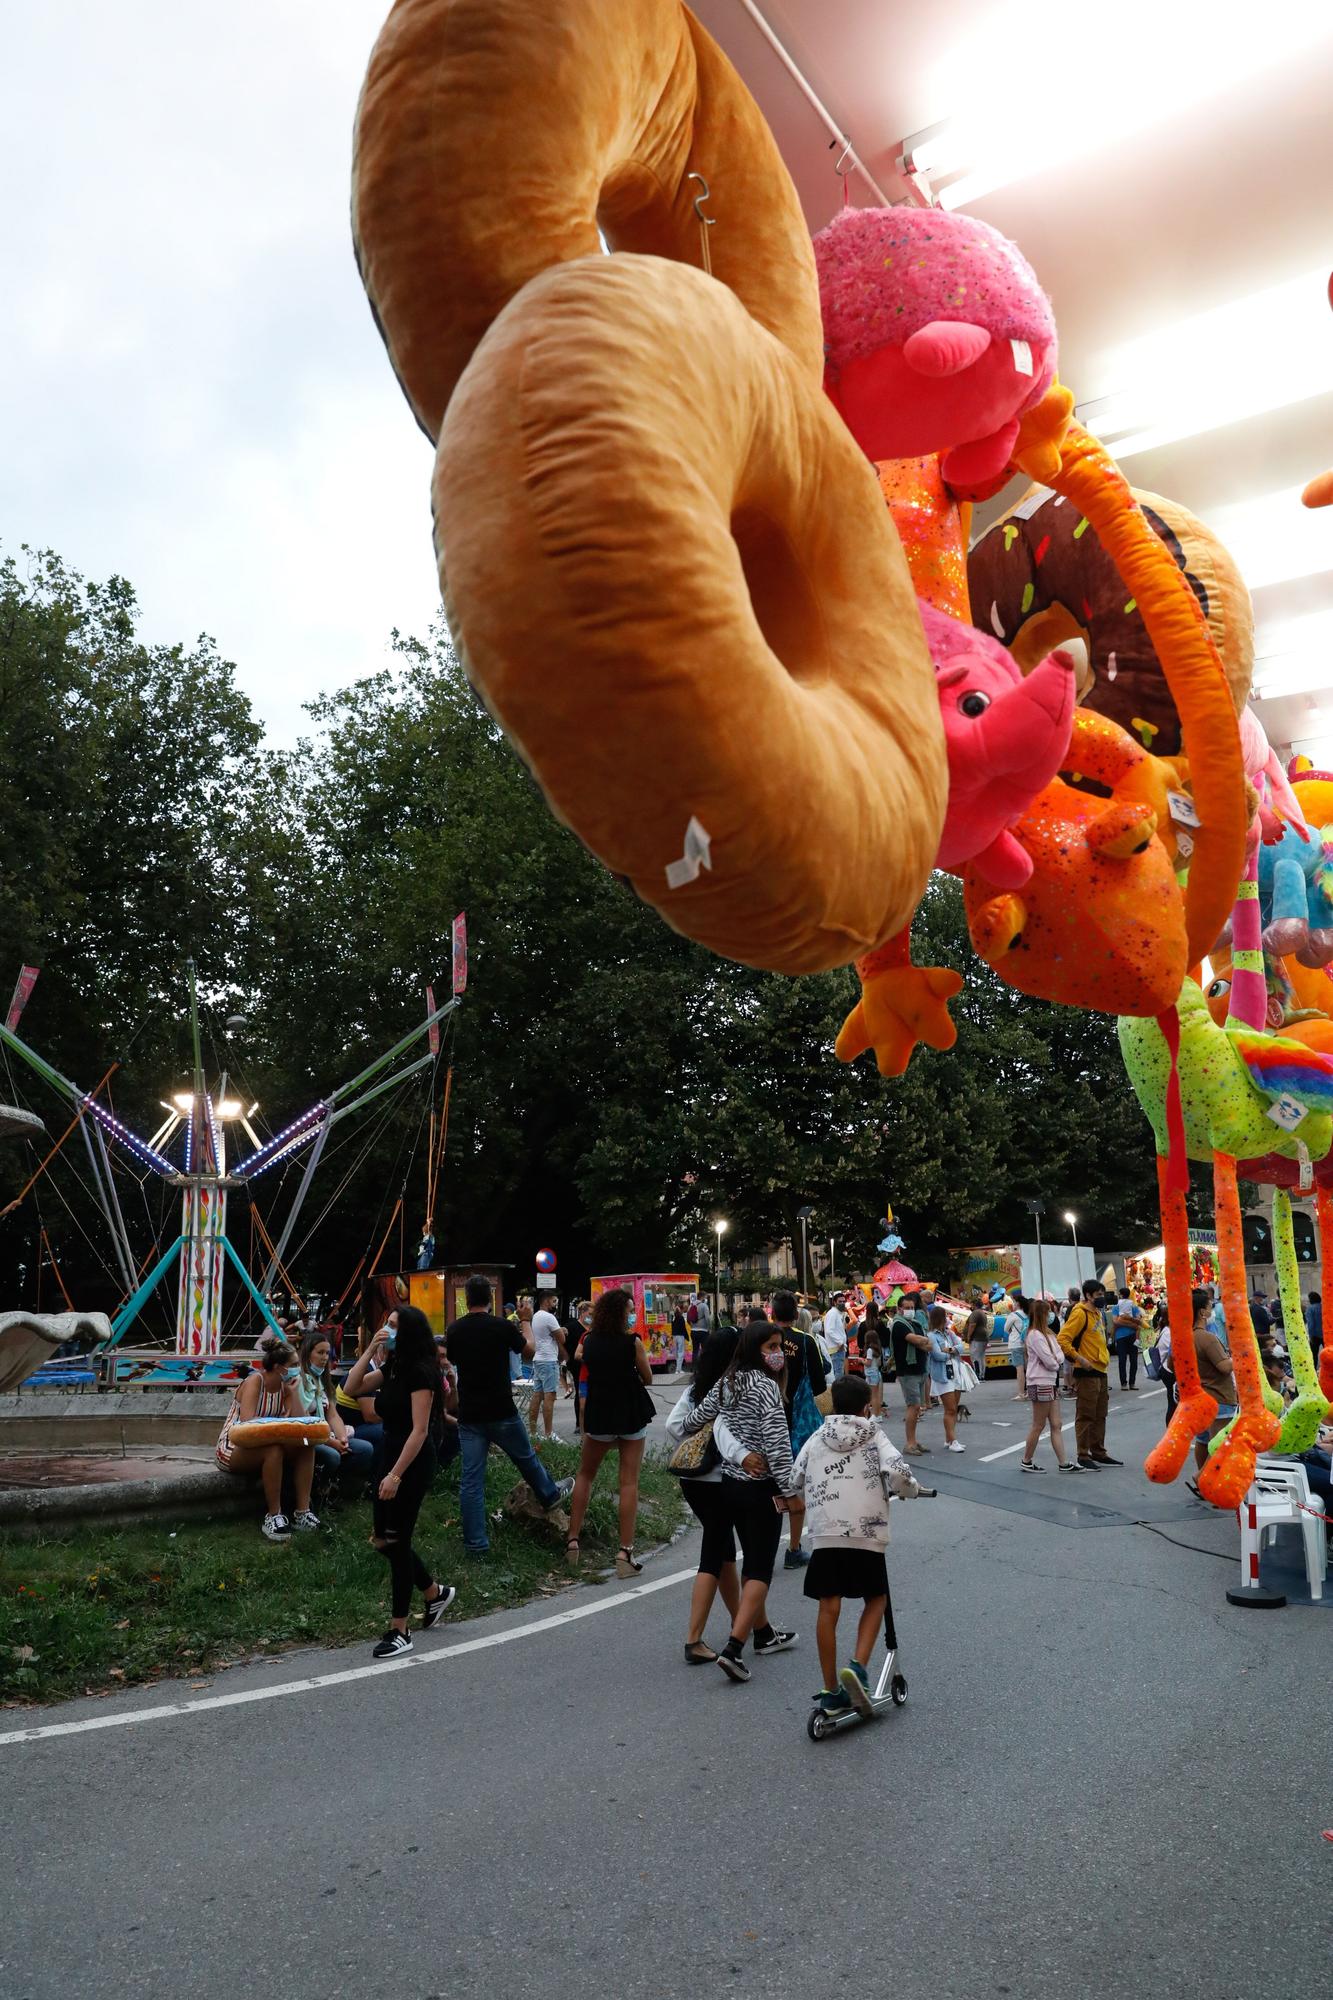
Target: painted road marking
(991, 1456)
(340, 1678)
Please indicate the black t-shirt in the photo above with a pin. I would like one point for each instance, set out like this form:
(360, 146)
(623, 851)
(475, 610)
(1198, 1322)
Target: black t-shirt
(680, 1326)
(907, 1360)
(1260, 1318)
(804, 1361)
(479, 1345)
(394, 1403)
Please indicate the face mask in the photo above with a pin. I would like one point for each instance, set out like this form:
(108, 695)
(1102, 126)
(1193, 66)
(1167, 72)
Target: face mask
(390, 1338)
(775, 1361)
(293, 1373)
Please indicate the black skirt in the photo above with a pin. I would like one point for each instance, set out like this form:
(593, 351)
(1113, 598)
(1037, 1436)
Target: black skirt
(847, 1572)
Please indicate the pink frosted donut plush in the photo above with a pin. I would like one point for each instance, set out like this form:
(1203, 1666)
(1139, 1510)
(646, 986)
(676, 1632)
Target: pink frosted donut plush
(937, 337)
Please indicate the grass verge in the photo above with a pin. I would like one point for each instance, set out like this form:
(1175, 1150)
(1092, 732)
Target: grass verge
(105, 1608)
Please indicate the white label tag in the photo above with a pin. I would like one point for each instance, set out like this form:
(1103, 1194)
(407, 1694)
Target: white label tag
(1022, 354)
(1184, 846)
(1028, 506)
(1182, 809)
(698, 854)
(1287, 1112)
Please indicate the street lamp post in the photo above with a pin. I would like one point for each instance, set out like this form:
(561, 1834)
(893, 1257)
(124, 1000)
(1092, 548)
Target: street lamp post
(1036, 1209)
(830, 1263)
(1072, 1220)
(804, 1215)
(719, 1226)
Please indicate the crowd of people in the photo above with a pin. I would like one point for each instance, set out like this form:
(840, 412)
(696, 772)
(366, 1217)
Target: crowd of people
(778, 1430)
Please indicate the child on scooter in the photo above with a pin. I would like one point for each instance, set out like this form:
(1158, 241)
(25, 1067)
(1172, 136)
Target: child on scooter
(846, 1472)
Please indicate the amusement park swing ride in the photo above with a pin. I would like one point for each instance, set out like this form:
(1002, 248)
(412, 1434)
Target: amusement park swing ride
(196, 1128)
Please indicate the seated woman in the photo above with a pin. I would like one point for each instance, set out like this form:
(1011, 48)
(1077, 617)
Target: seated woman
(268, 1391)
(347, 1453)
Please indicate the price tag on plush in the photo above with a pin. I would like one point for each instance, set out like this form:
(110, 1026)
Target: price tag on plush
(1287, 1112)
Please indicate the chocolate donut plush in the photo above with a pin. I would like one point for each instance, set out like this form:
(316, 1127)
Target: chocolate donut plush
(1040, 577)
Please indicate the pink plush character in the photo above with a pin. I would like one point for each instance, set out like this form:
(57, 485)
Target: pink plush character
(1005, 734)
(937, 338)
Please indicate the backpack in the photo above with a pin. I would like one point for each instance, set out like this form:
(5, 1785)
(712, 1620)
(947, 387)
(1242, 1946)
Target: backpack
(693, 1315)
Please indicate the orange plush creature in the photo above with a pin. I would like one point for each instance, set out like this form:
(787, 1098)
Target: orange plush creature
(667, 567)
(1101, 922)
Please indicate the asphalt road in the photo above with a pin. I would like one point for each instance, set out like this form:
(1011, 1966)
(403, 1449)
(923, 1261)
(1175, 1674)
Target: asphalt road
(1105, 1781)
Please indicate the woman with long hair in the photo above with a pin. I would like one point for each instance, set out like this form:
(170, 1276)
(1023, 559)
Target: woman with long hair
(617, 1417)
(749, 1398)
(345, 1453)
(1045, 1358)
(410, 1398)
(942, 1365)
(704, 1496)
(269, 1391)
(872, 1346)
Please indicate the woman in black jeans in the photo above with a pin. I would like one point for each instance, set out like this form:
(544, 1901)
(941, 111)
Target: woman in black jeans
(617, 1417)
(410, 1396)
(707, 1501)
(749, 1397)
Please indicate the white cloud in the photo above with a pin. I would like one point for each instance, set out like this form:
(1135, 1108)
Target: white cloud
(192, 392)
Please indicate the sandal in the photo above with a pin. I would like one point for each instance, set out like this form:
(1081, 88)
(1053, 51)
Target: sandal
(572, 1552)
(625, 1563)
(698, 1654)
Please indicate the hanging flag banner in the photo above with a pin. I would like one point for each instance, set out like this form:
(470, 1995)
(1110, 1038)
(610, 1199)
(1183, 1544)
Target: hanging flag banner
(433, 1032)
(460, 951)
(27, 979)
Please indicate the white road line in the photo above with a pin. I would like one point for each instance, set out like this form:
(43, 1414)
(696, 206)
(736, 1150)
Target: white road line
(991, 1456)
(162, 1710)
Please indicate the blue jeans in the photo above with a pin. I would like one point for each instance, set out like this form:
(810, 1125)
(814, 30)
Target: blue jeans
(510, 1433)
(839, 1363)
(355, 1464)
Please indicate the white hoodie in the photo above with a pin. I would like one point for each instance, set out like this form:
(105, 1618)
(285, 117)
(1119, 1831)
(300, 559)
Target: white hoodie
(846, 1471)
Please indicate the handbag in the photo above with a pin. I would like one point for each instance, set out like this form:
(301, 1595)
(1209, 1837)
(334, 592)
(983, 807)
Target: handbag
(967, 1376)
(696, 1454)
(805, 1417)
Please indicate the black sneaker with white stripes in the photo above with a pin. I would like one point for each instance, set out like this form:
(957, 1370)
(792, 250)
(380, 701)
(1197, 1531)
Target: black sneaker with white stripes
(774, 1641)
(392, 1643)
(437, 1606)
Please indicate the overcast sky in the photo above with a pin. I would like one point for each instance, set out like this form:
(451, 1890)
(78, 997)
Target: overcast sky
(192, 392)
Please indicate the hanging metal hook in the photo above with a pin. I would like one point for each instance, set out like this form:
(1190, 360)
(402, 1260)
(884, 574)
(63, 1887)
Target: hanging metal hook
(705, 221)
(704, 194)
(841, 167)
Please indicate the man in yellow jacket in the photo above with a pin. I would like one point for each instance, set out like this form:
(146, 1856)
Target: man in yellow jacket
(1083, 1338)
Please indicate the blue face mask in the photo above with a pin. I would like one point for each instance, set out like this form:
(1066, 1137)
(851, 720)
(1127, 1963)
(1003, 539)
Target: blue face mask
(390, 1338)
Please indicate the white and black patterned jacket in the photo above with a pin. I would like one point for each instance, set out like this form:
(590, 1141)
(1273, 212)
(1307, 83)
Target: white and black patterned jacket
(846, 1472)
(752, 1404)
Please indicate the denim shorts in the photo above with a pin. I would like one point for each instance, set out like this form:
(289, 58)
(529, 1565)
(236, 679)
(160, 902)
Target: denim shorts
(617, 1437)
(545, 1377)
(913, 1388)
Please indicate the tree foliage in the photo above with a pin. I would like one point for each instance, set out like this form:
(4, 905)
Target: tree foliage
(614, 1088)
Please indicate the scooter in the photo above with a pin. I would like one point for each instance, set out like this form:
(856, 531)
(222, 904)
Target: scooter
(890, 1691)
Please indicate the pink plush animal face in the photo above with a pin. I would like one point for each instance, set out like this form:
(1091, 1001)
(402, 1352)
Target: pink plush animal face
(937, 336)
(1005, 733)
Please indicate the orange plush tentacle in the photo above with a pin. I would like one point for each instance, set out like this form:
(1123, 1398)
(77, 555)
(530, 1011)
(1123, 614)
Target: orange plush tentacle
(1196, 1409)
(1089, 477)
(1229, 1473)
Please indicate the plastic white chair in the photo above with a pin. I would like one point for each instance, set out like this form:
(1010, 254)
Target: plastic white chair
(1279, 1497)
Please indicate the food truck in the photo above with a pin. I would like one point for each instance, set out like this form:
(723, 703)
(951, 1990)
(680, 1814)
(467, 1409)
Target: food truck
(655, 1296)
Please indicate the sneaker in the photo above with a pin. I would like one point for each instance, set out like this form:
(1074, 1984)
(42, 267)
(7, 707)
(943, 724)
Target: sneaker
(796, 1559)
(776, 1642)
(733, 1666)
(392, 1643)
(1105, 1458)
(856, 1686)
(955, 1446)
(563, 1489)
(304, 1521)
(1029, 1465)
(1073, 1465)
(1088, 1464)
(833, 1701)
(277, 1527)
(437, 1606)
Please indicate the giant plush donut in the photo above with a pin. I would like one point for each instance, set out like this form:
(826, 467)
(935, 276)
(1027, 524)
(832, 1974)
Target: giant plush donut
(667, 567)
(493, 137)
(257, 1433)
(674, 580)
